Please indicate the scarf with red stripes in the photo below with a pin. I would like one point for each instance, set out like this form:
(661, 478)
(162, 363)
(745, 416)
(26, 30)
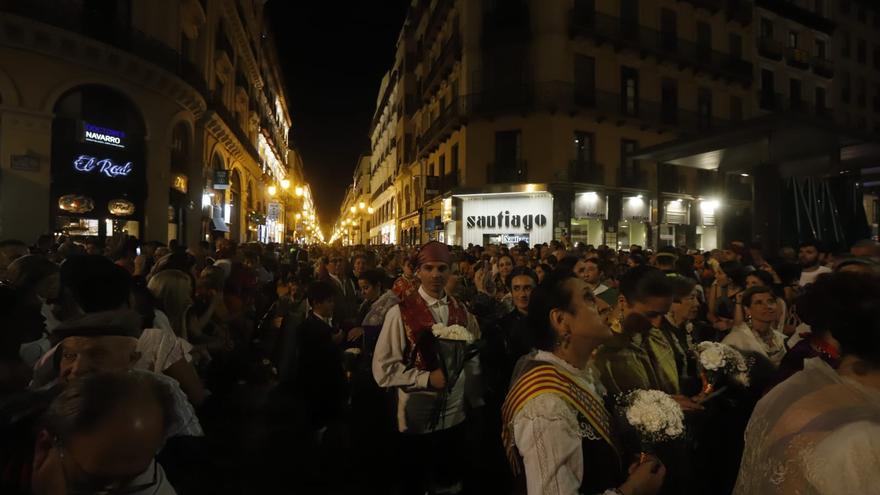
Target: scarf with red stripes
(417, 322)
(549, 379)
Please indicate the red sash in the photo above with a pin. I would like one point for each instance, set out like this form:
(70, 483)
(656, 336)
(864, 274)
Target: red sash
(417, 322)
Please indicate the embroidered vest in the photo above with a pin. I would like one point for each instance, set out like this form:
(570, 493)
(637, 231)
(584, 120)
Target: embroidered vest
(417, 323)
(599, 445)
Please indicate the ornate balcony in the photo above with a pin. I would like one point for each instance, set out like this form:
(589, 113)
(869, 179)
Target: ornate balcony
(770, 48)
(796, 57)
(586, 171)
(506, 172)
(823, 67)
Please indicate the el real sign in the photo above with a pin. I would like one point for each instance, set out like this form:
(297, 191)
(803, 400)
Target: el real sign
(527, 214)
(102, 135)
(107, 167)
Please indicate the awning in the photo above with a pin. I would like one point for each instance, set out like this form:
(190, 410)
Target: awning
(772, 139)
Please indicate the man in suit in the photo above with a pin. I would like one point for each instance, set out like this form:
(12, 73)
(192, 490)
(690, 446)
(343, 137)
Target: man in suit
(320, 377)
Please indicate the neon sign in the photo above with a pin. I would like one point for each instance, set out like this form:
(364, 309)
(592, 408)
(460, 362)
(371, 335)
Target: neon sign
(103, 135)
(106, 166)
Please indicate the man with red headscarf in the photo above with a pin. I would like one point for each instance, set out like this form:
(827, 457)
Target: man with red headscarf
(430, 411)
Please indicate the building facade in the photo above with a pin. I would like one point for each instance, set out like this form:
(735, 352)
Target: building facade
(163, 119)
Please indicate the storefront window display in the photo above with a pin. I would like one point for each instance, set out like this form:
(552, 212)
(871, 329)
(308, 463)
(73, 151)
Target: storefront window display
(589, 213)
(633, 226)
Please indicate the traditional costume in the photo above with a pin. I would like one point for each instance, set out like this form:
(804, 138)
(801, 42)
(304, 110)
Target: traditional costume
(558, 432)
(406, 353)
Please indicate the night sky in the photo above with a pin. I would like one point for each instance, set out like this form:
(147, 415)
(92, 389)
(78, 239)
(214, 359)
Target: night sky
(333, 56)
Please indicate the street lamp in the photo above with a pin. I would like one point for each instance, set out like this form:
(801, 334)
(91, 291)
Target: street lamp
(299, 190)
(352, 209)
(370, 210)
(285, 184)
(272, 190)
(362, 205)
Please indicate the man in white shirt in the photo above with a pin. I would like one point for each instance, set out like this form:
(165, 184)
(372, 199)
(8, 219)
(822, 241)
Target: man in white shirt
(811, 256)
(430, 409)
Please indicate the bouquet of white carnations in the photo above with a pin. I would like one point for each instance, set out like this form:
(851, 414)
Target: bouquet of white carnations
(454, 346)
(654, 415)
(719, 362)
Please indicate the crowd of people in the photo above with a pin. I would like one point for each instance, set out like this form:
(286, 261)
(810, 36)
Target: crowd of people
(144, 368)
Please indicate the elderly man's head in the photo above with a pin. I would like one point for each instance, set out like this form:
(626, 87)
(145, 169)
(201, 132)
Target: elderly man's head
(97, 342)
(101, 434)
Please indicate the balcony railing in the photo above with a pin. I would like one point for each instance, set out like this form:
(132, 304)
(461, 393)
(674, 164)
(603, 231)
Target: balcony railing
(448, 56)
(586, 171)
(215, 103)
(507, 171)
(796, 57)
(663, 45)
(823, 67)
(792, 10)
(776, 102)
(770, 48)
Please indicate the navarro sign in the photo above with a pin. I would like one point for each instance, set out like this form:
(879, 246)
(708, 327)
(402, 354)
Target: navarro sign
(106, 166)
(103, 135)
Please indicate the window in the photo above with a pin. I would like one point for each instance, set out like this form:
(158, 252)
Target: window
(844, 87)
(820, 100)
(862, 15)
(735, 41)
(629, 17)
(768, 89)
(877, 57)
(736, 108)
(821, 49)
(862, 94)
(584, 80)
(794, 93)
(862, 52)
(845, 45)
(629, 90)
(704, 37)
(455, 158)
(430, 169)
(766, 28)
(792, 39)
(507, 148)
(669, 101)
(628, 166)
(441, 169)
(668, 29)
(583, 147)
(704, 108)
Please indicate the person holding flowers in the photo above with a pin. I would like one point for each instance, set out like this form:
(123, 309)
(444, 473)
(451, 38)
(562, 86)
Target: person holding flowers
(558, 432)
(432, 397)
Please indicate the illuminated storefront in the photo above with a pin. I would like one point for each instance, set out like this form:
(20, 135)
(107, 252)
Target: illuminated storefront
(98, 184)
(634, 221)
(589, 213)
(505, 218)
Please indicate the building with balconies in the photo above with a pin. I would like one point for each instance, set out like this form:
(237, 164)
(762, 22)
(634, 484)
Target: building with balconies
(520, 101)
(163, 119)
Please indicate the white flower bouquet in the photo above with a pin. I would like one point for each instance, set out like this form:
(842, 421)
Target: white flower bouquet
(719, 362)
(454, 345)
(653, 415)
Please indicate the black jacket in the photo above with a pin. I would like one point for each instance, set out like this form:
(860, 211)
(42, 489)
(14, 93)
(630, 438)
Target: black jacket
(320, 379)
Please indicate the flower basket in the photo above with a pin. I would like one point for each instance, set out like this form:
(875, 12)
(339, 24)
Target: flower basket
(454, 346)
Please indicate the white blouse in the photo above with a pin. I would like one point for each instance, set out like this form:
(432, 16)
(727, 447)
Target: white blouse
(549, 437)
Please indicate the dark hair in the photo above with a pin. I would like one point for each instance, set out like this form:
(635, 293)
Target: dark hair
(319, 292)
(87, 402)
(681, 287)
(506, 255)
(763, 276)
(521, 271)
(735, 271)
(641, 282)
(544, 266)
(96, 283)
(637, 258)
(750, 293)
(553, 293)
(848, 306)
(567, 264)
(820, 246)
(374, 277)
(27, 272)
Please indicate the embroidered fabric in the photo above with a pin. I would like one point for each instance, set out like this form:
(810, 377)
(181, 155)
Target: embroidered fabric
(815, 434)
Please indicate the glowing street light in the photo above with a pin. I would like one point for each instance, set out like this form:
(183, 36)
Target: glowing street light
(299, 190)
(352, 209)
(297, 216)
(285, 184)
(272, 190)
(370, 210)
(362, 205)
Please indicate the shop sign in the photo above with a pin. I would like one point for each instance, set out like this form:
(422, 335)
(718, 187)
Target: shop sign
(527, 216)
(676, 212)
(103, 135)
(590, 205)
(104, 166)
(221, 179)
(180, 182)
(636, 209)
(273, 211)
